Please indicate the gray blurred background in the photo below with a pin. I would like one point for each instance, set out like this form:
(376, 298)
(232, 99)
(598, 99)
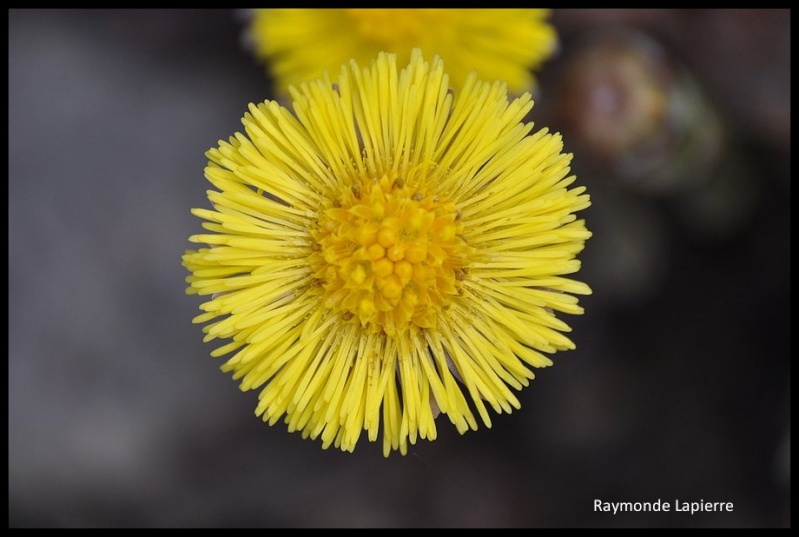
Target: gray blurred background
(679, 387)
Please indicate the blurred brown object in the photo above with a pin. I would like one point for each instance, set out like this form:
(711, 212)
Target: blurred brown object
(741, 57)
(635, 114)
(640, 119)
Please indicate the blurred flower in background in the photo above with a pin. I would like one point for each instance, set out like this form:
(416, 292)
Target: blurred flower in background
(392, 243)
(500, 44)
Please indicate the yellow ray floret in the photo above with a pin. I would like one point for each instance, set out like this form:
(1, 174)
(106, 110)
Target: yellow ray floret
(389, 251)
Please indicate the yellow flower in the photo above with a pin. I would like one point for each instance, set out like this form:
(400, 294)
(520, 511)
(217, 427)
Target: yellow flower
(500, 44)
(392, 251)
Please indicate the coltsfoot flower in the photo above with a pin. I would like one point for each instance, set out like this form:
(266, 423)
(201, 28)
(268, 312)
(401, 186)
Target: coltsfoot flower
(389, 251)
(501, 44)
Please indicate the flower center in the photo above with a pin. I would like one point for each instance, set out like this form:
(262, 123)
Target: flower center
(389, 256)
(394, 26)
